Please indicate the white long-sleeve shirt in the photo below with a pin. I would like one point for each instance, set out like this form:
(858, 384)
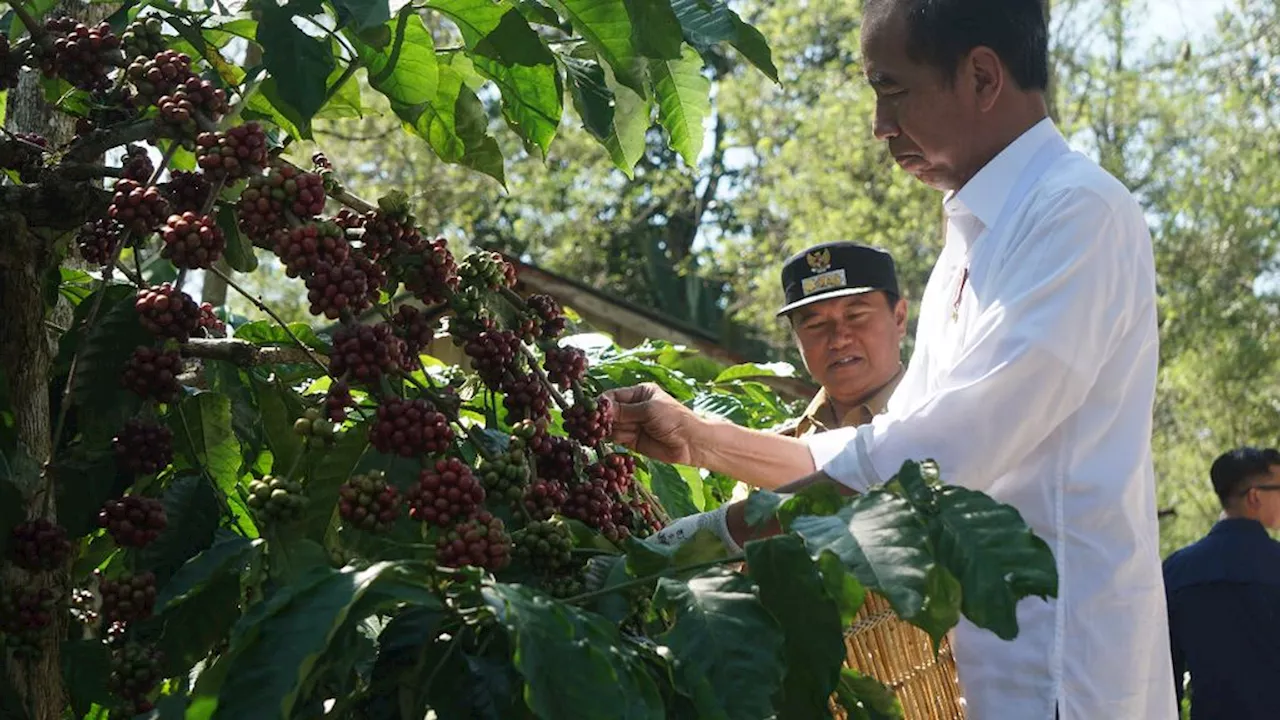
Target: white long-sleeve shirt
(1033, 380)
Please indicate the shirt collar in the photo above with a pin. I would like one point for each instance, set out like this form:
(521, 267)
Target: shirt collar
(985, 193)
(1243, 526)
(822, 416)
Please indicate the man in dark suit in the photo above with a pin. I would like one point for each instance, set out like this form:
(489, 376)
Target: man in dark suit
(1224, 596)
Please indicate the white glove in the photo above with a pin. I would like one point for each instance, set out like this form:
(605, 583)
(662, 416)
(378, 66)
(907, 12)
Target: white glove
(686, 527)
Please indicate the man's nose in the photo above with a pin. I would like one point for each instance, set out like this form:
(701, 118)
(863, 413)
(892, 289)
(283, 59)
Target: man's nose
(842, 335)
(885, 124)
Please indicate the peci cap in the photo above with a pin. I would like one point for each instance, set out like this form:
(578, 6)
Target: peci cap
(836, 269)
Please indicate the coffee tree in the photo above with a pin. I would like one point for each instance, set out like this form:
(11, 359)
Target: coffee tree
(206, 517)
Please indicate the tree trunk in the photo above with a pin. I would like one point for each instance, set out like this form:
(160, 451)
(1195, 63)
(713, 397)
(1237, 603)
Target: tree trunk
(25, 356)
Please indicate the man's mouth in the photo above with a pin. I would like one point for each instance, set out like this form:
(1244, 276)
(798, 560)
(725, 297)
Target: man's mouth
(844, 362)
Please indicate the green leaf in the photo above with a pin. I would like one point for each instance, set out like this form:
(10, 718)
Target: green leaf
(729, 647)
(692, 477)
(995, 556)
(265, 332)
(619, 372)
(843, 588)
(274, 662)
(204, 43)
(345, 101)
(817, 499)
(496, 30)
(86, 667)
(75, 285)
(280, 408)
(941, 609)
(606, 25)
(194, 627)
(707, 23)
(865, 698)
(93, 480)
(683, 95)
(881, 540)
(239, 251)
(531, 98)
(455, 124)
(405, 71)
(202, 432)
(246, 419)
(193, 510)
(721, 405)
(752, 370)
(795, 593)
(592, 97)
(364, 14)
(673, 492)
(228, 554)
(266, 104)
(102, 405)
(326, 472)
(300, 63)
(762, 505)
(657, 29)
(574, 663)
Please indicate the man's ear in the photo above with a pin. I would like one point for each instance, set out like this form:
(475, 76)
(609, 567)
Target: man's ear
(985, 74)
(900, 317)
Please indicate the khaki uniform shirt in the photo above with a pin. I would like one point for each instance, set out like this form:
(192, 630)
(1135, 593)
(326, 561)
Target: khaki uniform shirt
(820, 416)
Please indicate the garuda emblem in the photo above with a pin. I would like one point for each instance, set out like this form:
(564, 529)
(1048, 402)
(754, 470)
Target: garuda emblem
(819, 260)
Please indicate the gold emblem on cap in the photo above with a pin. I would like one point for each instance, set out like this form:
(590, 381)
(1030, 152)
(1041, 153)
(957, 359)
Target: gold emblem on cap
(819, 260)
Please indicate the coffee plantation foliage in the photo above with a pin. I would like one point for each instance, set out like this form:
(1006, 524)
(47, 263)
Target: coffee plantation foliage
(266, 520)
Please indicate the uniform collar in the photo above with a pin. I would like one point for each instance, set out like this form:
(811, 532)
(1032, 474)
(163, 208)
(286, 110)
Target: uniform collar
(1238, 526)
(984, 195)
(821, 414)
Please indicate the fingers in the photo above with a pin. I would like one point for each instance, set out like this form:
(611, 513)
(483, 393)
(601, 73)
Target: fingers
(633, 393)
(630, 405)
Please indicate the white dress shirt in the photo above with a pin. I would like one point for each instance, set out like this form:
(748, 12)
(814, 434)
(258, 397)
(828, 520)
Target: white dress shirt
(1033, 380)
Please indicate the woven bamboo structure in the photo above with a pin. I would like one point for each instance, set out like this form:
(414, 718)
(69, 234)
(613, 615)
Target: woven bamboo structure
(901, 655)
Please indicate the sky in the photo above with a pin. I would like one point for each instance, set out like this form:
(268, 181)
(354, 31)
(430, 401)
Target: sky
(1178, 19)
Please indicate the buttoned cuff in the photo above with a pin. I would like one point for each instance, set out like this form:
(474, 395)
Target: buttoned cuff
(841, 454)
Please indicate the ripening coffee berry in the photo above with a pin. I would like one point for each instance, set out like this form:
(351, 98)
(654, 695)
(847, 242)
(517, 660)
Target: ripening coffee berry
(368, 502)
(167, 312)
(409, 428)
(143, 448)
(277, 500)
(481, 541)
(444, 493)
(133, 521)
(39, 545)
(153, 374)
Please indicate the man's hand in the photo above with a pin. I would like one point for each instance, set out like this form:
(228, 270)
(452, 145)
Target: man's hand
(651, 422)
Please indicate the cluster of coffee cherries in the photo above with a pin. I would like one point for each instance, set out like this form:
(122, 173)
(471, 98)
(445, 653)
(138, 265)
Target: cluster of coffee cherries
(277, 500)
(25, 613)
(314, 426)
(133, 521)
(39, 545)
(544, 545)
(135, 672)
(367, 502)
(127, 598)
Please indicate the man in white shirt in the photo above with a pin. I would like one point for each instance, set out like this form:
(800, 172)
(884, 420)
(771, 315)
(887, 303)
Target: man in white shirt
(1033, 375)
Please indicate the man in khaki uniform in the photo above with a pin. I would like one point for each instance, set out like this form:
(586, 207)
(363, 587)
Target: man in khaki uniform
(848, 320)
